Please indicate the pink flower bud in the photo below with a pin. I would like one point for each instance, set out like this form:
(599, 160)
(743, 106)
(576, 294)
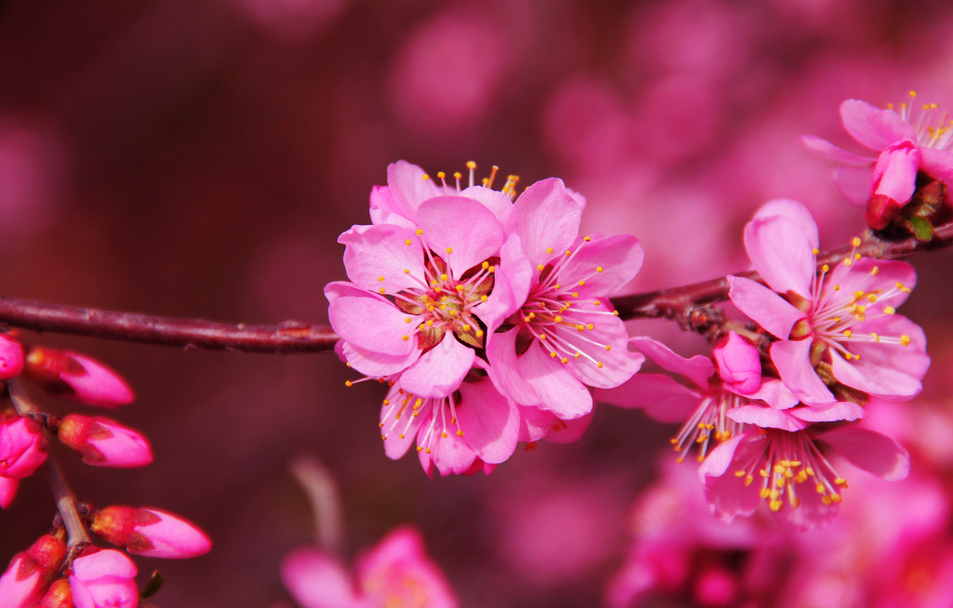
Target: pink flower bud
(739, 363)
(11, 357)
(104, 579)
(8, 489)
(58, 595)
(76, 377)
(22, 446)
(150, 532)
(30, 572)
(104, 442)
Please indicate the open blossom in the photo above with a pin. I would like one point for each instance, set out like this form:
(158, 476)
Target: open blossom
(104, 579)
(906, 143)
(783, 458)
(703, 403)
(565, 336)
(839, 327)
(396, 572)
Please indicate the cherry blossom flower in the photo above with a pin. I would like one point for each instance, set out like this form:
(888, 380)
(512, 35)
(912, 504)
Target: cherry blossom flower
(702, 404)
(11, 357)
(565, 336)
(907, 142)
(150, 532)
(836, 328)
(789, 454)
(23, 448)
(396, 572)
(104, 579)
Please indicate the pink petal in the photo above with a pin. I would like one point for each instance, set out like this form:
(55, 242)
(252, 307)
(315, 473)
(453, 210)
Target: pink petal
(873, 127)
(726, 494)
(341, 289)
(662, 397)
(698, 369)
(172, 537)
(738, 363)
(774, 393)
(439, 371)
(793, 361)
(782, 253)
(769, 310)
(871, 451)
(316, 580)
(494, 200)
(797, 214)
(489, 420)
(105, 563)
(895, 173)
(501, 352)
(719, 459)
(886, 382)
(399, 433)
(830, 412)
(460, 230)
(856, 185)
(619, 257)
(398, 572)
(535, 423)
(511, 285)
(766, 417)
(618, 362)
(8, 489)
(374, 364)
(834, 153)
(386, 209)
(545, 216)
(568, 431)
(451, 455)
(381, 252)
(409, 187)
(937, 163)
(558, 390)
(374, 325)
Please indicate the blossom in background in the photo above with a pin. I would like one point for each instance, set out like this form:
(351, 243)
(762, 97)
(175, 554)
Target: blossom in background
(907, 142)
(396, 572)
(836, 328)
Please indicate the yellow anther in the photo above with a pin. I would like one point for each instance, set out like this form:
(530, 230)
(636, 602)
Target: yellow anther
(449, 249)
(459, 287)
(405, 338)
(484, 298)
(381, 279)
(553, 354)
(406, 270)
(776, 505)
(872, 298)
(466, 327)
(905, 340)
(848, 356)
(815, 251)
(479, 333)
(587, 239)
(542, 337)
(889, 310)
(426, 177)
(444, 277)
(459, 433)
(558, 319)
(739, 473)
(590, 326)
(848, 333)
(485, 265)
(444, 434)
(382, 290)
(575, 294)
(836, 287)
(857, 256)
(549, 250)
(348, 383)
(875, 337)
(826, 268)
(599, 365)
(441, 174)
(608, 347)
(615, 313)
(564, 360)
(407, 320)
(855, 241)
(491, 269)
(471, 165)
(859, 294)
(568, 253)
(597, 303)
(540, 267)
(429, 322)
(875, 270)
(848, 262)
(419, 231)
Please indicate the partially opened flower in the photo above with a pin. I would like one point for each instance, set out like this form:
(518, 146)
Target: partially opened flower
(104, 579)
(906, 141)
(836, 328)
(396, 572)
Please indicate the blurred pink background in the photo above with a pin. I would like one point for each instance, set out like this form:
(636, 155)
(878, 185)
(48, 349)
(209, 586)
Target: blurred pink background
(199, 158)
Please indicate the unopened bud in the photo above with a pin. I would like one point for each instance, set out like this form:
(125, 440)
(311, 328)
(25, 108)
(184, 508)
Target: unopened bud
(8, 489)
(739, 363)
(103, 442)
(58, 595)
(74, 376)
(30, 572)
(23, 446)
(11, 357)
(104, 579)
(150, 532)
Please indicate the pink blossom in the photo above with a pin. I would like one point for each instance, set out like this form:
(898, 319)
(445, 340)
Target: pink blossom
(564, 335)
(30, 573)
(8, 490)
(783, 449)
(475, 425)
(11, 357)
(104, 579)
(839, 327)
(76, 377)
(103, 442)
(907, 142)
(150, 532)
(701, 404)
(22, 446)
(395, 572)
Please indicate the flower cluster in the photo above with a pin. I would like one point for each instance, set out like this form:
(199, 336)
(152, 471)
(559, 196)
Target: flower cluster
(485, 312)
(830, 340)
(64, 572)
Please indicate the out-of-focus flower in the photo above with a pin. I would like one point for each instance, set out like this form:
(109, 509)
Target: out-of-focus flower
(103, 442)
(397, 572)
(836, 328)
(565, 336)
(907, 143)
(76, 377)
(11, 357)
(30, 573)
(470, 430)
(104, 579)
(784, 450)
(150, 532)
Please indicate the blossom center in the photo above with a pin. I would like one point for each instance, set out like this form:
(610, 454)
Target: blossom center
(933, 127)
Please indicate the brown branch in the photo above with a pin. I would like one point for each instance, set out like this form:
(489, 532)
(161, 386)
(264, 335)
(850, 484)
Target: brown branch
(678, 304)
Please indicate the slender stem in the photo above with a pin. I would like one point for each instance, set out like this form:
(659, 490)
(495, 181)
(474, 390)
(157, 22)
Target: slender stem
(678, 303)
(65, 500)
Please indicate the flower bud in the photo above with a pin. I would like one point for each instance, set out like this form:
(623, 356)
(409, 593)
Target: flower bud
(739, 363)
(104, 579)
(11, 357)
(58, 595)
(8, 489)
(30, 572)
(150, 532)
(104, 442)
(76, 377)
(22, 446)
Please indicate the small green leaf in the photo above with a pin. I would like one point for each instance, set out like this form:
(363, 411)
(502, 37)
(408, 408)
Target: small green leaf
(922, 228)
